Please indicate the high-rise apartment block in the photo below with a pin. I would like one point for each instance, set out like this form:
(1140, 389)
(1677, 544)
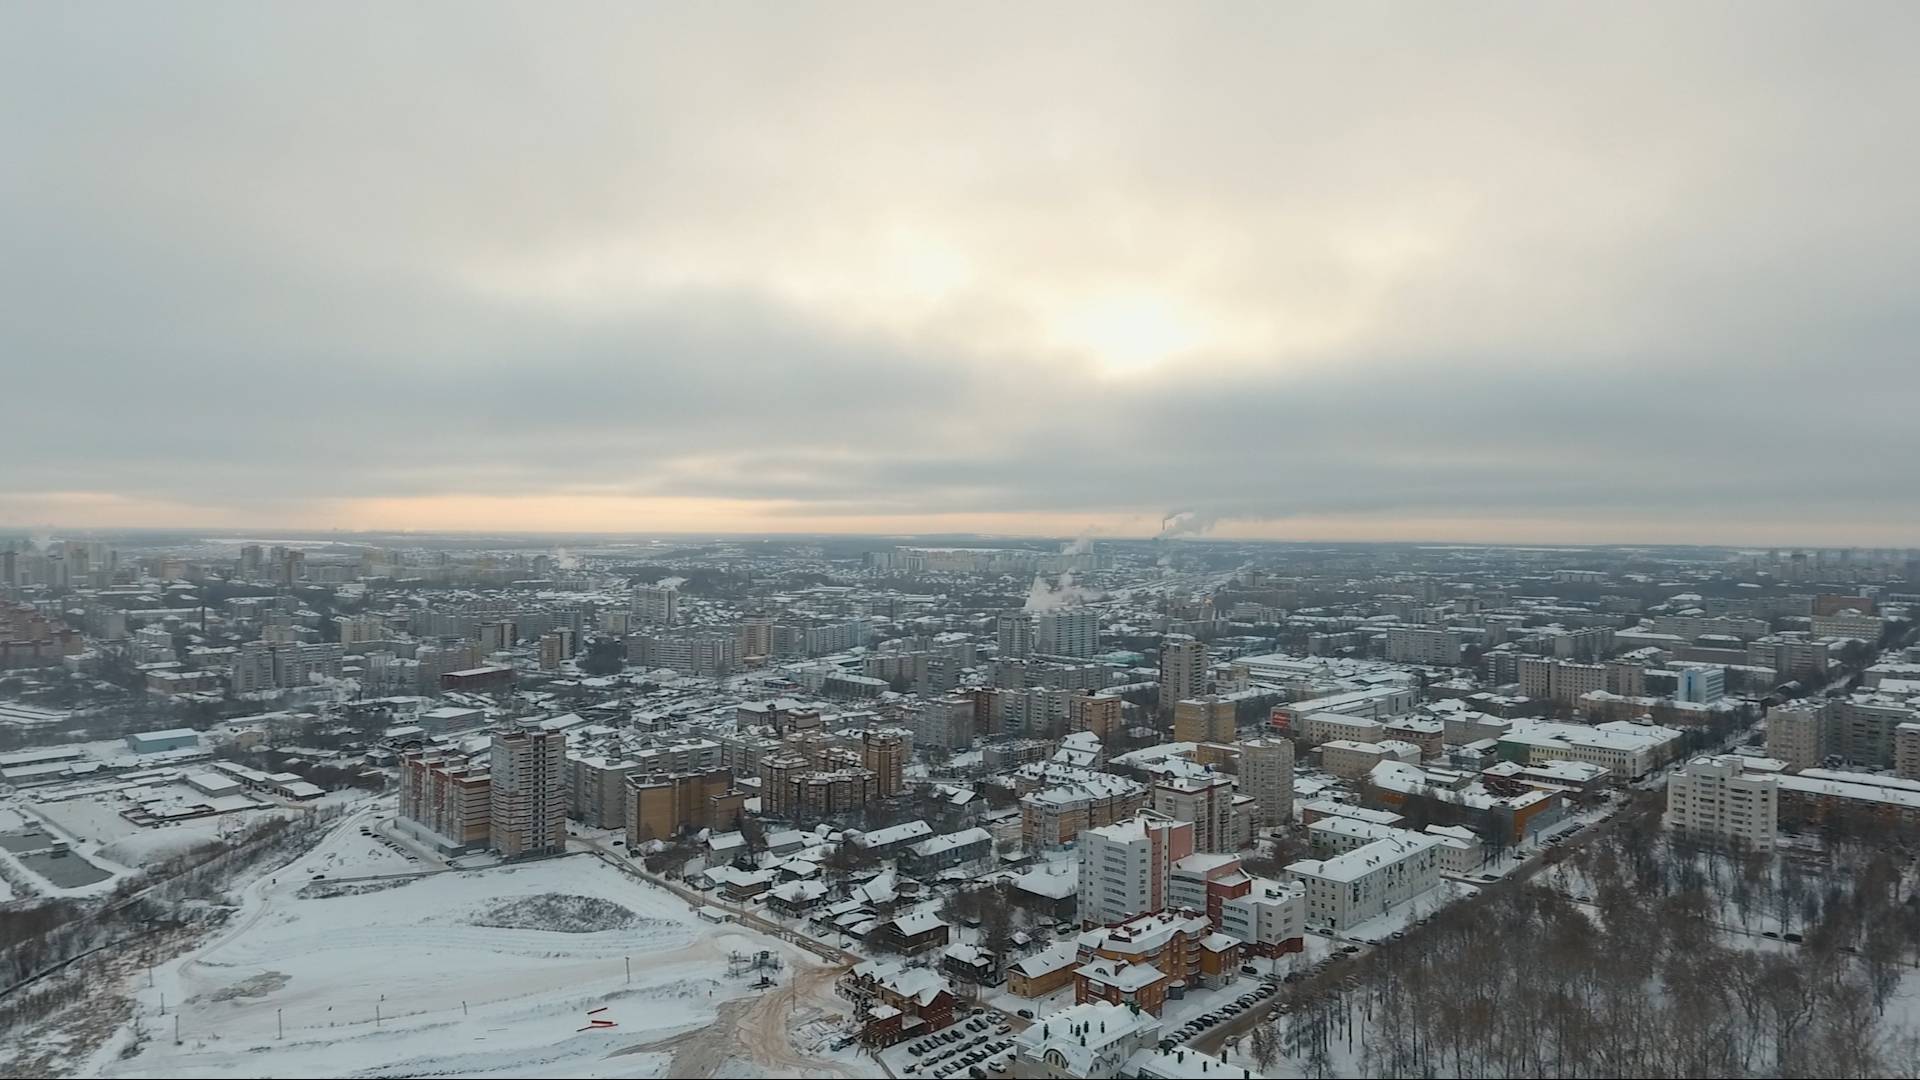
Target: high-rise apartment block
(1207, 801)
(1266, 773)
(884, 752)
(1014, 633)
(656, 605)
(1125, 867)
(1183, 670)
(1068, 632)
(529, 797)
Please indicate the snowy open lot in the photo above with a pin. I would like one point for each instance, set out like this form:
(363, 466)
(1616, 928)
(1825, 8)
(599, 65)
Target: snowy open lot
(490, 972)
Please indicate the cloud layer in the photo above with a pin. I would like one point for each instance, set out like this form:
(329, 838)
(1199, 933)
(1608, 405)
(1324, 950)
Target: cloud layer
(1482, 272)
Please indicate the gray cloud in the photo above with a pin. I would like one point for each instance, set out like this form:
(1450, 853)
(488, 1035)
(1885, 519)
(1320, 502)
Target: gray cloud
(1261, 263)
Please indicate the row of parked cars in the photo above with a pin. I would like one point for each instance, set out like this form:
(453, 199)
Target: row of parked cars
(963, 1045)
(1199, 1024)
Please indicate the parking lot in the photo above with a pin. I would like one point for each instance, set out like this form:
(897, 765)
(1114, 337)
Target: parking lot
(981, 1044)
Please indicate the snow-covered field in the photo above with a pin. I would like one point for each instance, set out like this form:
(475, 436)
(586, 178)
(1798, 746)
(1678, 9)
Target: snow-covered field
(491, 972)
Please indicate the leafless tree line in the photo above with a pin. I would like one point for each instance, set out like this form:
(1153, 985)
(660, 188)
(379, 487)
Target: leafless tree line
(1656, 975)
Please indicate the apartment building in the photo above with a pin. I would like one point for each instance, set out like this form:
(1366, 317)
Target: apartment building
(1069, 632)
(1134, 962)
(1125, 866)
(1429, 735)
(445, 799)
(1208, 802)
(707, 653)
(1717, 797)
(884, 753)
(1363, 883)
(1057, 814)
(1797, 735)
(1323, 728)
(683, 754)
(1266, 773)
(1414, 645)
(1560, 680)
(1906, 750)
(528, 799)
(1204, 719)
(1793, 657)
(1849, 624)
(1862, 726)
(1204, 882)
(597, 790)
(664, 805)
(795, 788)
(1269, 917)
(1351, 760)
(1013, 634)
(656, 605)
(1692, 627)
(947, 723)
(1183, 670)
(1101, 715)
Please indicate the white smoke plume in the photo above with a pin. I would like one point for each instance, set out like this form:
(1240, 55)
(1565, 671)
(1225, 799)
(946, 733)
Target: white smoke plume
(1186, 523)
(1062, 593)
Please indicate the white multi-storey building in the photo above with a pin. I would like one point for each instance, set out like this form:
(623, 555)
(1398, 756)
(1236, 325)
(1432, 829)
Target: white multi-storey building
(1413, 645)
(1716, 796)
(1125, 867)
(1365, 882)
(1070, 632)
(1270, 918)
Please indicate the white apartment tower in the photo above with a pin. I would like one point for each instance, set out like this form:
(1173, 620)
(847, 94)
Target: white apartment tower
(1125, 867)
(1068, 632)
(1715, 796)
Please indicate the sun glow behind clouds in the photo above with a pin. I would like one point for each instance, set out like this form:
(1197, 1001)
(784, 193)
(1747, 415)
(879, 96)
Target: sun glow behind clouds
(1128, 333)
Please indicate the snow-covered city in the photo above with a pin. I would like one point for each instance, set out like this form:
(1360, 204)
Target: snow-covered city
(1159, 808)
(945, 541)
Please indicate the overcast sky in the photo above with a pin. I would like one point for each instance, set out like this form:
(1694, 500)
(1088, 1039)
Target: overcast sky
(1508, 272)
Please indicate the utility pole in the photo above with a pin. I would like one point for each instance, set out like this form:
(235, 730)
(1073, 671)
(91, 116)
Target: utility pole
(176, 1029)
(279, 1024)
(376, 1014)
(629, 968)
